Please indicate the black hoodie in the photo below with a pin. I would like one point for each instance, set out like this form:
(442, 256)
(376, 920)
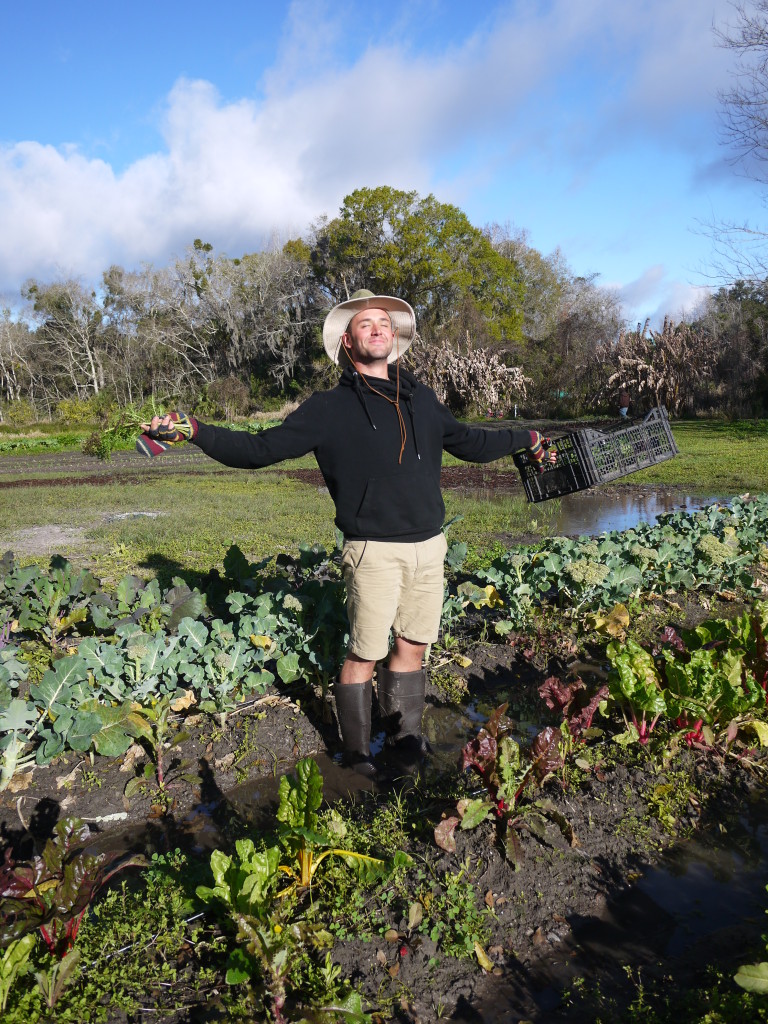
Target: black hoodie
(355, 434)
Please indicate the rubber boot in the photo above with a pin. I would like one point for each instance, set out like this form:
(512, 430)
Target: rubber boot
(401, 702)
(353, 711)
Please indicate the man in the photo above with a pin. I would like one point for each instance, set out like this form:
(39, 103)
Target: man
(378, 438)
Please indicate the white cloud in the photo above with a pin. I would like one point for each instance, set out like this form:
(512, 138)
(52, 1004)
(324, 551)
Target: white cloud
(655, 295)
(679, 300)
(233, 173)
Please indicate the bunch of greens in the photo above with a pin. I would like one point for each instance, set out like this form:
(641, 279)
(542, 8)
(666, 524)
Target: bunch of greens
(118, 429)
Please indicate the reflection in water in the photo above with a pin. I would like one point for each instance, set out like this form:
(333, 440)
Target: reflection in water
(712, 881)
(594, 512)
(599, 511)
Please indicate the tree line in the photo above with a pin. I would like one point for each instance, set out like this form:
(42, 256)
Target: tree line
(500, 325)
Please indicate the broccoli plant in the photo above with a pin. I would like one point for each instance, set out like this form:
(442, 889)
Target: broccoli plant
(155, 731)
(53, 604)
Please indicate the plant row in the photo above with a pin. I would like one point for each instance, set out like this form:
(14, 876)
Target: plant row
(115, 656)
(714, 547)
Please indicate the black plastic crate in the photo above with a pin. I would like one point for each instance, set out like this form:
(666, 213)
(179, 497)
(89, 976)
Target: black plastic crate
(570, 472)
(588, 457)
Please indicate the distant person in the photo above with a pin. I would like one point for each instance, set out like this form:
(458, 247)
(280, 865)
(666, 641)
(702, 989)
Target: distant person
(624, 402)
(378, 438)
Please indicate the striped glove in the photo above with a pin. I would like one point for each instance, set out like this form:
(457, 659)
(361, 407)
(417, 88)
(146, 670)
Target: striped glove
(158, 439)
(539, 453)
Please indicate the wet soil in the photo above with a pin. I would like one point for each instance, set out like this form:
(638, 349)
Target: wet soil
(131, 468)
(571, 908)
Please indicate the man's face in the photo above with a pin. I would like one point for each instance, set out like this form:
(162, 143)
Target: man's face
(369, 336)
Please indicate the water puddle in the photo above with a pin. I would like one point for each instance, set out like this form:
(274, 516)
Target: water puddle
(690, 910)
(713, 882)
(595, 512)
(592, 512)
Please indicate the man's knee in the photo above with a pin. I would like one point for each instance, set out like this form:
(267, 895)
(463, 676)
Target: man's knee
(356, 670)
(406, 655)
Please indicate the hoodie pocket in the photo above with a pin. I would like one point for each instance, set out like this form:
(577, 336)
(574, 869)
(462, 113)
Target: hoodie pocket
(400, 505)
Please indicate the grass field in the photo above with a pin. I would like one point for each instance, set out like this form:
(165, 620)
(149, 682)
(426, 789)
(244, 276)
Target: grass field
(265, 512)
(715, 458)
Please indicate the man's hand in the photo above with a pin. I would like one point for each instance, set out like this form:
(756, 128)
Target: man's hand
(163, 431)
(539, 452)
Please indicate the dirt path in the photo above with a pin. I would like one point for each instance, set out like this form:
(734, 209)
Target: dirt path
(72, 469)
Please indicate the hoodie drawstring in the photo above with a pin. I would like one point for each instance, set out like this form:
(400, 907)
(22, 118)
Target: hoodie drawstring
(361, 395)
(392, 401)
(409, 404)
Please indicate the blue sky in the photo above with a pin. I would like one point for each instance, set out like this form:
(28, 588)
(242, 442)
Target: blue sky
(128, 130)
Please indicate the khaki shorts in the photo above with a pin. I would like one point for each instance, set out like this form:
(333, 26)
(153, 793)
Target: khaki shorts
(393, 586)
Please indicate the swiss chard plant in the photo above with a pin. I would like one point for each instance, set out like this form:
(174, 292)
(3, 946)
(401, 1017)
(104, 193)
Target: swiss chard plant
(718, 674)
(272, 935)
(505, 771)
(637, 688)
(578, 704)
(754, 977)
(52, 891)
(709, 681)
(14, 962)
(246, 881)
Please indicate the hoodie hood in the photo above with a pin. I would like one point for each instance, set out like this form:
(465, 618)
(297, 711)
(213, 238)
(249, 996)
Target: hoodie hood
(408, 383)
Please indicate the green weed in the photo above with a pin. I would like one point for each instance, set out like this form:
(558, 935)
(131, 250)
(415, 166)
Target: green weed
(452, 917)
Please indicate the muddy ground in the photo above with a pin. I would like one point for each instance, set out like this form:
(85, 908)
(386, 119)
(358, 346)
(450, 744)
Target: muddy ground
(571, 908)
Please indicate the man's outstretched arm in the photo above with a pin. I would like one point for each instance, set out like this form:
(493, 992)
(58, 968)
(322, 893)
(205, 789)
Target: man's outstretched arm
(297, 435)
(478, 444)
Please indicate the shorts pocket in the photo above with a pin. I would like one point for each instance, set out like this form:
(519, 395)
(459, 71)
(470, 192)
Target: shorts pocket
(352, 554)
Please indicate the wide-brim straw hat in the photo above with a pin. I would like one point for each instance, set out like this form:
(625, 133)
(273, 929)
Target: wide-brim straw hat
(337, 321)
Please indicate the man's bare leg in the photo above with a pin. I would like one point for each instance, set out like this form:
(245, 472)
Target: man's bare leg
(406, 655)
(356, 670)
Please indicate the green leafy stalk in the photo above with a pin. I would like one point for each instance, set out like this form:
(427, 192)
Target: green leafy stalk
(14, 963)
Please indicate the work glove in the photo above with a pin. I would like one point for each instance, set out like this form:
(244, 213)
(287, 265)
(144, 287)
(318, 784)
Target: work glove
(159, 439)
(539, 454)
